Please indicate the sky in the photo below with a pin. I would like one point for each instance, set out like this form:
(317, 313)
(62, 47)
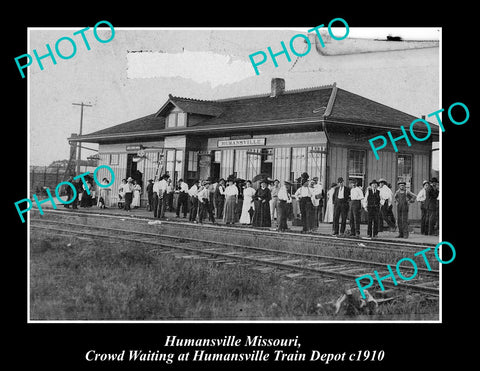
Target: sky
(132, 75)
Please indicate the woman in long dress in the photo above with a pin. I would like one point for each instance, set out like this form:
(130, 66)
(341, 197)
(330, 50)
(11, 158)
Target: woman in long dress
(261, 217)
(248, 194)
(231, 196)
(87, 200)
(328, 218)
(104, 199)
(136, 194)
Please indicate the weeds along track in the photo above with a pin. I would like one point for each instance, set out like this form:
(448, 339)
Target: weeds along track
(291, 264)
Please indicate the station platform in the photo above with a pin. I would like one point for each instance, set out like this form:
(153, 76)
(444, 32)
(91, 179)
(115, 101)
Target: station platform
(323, 229)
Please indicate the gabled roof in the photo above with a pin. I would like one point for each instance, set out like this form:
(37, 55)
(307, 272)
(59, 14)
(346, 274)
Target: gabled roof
(189, 105)
(310, 105)
(291, 105)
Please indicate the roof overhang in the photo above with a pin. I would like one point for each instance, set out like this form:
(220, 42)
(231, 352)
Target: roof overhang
(434, 132)
(201, 130)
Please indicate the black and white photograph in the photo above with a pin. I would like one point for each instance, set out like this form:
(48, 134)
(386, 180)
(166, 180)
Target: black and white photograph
(214, 193)
(240, 195)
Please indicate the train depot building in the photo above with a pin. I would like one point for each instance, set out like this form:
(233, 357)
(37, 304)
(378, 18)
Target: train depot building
(323, 131)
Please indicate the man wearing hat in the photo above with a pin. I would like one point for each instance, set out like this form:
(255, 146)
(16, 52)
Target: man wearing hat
(432, 196)
(204, 203)
(403, 197)
(371, 203)
(386, 201)
(128, 190)
(341, 196)
(421, 197)
(274, 188)
(182, 201)
(193, 193)
(356, 196)
(159, 199)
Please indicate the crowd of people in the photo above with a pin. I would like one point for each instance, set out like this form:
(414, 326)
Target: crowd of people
(378, 201)
(271, 203)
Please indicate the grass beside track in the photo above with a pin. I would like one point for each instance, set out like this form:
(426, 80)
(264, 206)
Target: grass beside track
(75, 278)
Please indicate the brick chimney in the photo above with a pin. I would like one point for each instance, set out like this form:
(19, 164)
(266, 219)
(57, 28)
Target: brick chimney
(278, 87)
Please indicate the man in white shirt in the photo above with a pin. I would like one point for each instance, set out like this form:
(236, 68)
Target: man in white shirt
(386, 202)
(193, 193)
(182, 201)
(317, 196)
(356, 196)
(204, 203)
(159, 199)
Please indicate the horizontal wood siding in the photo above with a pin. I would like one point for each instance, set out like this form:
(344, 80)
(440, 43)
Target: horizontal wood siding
(241, 163)
(281, 163)
(337, 159)
(226, 167)
(385, 167)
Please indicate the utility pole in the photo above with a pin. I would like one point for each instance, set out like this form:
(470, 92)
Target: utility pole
(79, 153)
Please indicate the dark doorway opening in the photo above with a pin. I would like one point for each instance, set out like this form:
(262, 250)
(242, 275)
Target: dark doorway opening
(215, 170)
(132, 169)
(131, 165)
(266, 164)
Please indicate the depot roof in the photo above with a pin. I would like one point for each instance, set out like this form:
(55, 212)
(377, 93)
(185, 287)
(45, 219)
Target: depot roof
(308, 106)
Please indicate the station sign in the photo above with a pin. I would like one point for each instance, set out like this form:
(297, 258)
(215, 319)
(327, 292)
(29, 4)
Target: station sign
(242, 142)
(134, 147)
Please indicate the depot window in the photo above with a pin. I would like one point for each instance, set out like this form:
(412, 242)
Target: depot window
(114, 159)
(356, 166)
(405, 170)
(176, 119)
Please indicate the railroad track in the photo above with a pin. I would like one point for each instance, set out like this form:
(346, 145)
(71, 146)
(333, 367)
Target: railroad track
(292, 264)
(402, 248)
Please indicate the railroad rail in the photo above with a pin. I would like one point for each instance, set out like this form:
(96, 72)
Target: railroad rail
(376, 245)
(292, 264)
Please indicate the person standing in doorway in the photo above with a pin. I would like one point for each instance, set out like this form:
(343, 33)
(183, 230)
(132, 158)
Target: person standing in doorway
(341, 196)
